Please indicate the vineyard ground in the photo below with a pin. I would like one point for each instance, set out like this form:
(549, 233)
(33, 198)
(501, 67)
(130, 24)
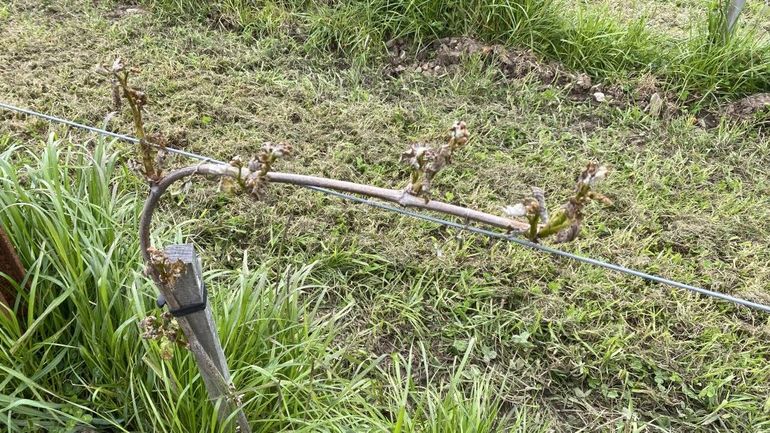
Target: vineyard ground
(564, 345)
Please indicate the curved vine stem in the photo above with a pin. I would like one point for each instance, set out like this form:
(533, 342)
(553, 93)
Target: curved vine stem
(158, 188)
(391, 195)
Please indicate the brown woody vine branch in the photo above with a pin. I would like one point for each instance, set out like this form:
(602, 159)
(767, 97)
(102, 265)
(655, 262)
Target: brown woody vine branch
(395, 196)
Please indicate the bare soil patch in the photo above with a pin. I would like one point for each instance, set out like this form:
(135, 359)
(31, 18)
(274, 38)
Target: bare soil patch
(445, 56)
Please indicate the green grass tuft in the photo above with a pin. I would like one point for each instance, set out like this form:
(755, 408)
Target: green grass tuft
(74, 356)
(588, 38)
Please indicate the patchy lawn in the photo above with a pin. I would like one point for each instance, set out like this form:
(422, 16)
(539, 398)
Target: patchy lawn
(570, 346)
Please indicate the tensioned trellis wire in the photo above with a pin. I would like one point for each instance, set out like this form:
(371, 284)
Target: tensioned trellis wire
(419, 215)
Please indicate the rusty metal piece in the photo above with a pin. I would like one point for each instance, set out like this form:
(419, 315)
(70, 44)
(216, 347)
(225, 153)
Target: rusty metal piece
(11, 266)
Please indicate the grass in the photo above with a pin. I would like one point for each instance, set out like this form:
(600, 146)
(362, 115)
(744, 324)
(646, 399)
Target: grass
(73, 357)
(398, 324)
(589, 38)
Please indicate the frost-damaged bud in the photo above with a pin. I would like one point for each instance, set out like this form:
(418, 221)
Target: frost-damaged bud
(165, 330)
(256, 182)
(139, 97)
(414, 157)
(459, 135)
(117, 65)
(533, 207)
(160, 158)
(114, 84)
(277, 150)
(149, 328)
(425, 162)
(137, 100)
(593, 174)
(233, 395)
(236, 162)
(117, 101)
(566, 222)
(227, 185)
(166, 270)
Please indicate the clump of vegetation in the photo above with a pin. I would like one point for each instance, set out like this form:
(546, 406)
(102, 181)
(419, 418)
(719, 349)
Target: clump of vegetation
(76, 235)
(582, 37)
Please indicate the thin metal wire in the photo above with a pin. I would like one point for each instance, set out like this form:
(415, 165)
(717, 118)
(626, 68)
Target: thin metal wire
(436, 220)
(546, 249)
(102, 131)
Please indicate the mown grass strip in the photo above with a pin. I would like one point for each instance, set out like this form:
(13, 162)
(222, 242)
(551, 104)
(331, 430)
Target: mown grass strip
(584, 38)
